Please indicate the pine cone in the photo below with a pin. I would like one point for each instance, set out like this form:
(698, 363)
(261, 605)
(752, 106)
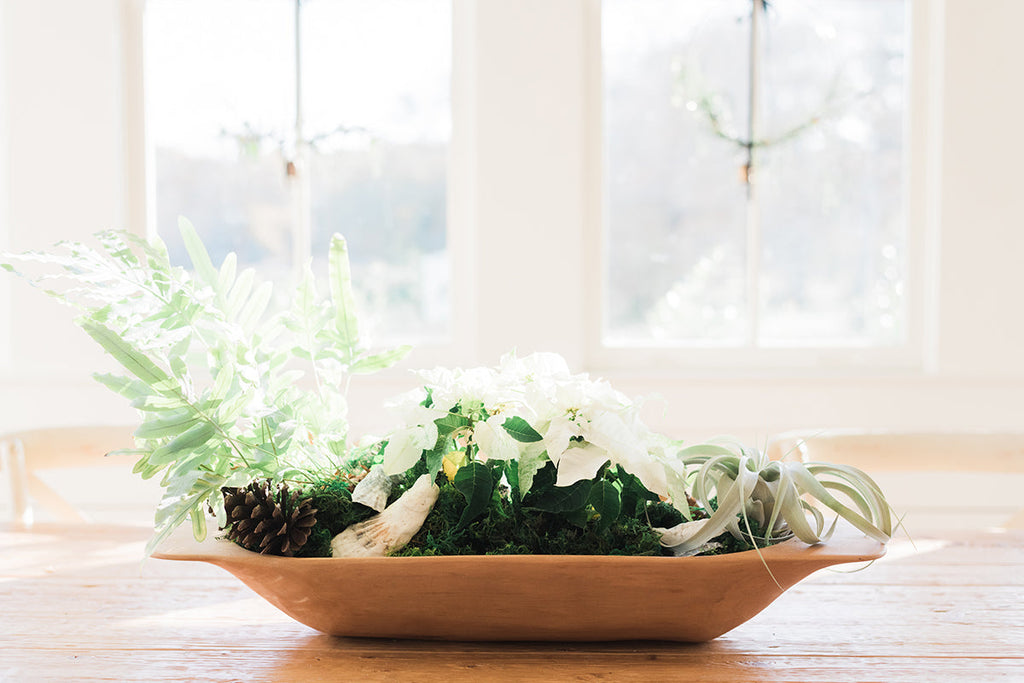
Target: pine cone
(265, 521)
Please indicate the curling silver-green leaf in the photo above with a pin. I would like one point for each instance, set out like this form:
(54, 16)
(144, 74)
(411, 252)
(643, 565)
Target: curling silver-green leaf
(748, 488)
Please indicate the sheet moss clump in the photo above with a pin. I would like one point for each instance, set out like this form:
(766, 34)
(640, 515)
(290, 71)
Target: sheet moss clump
(332, 499)
(511, 527)
(504, 531)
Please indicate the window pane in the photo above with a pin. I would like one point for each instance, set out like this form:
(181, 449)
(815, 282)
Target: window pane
(831, 199)
(219, 78)
(823, 212)
(382, 182)
(676, 215)
(368, 158)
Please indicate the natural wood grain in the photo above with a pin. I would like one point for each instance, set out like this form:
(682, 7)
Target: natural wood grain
(78, 604)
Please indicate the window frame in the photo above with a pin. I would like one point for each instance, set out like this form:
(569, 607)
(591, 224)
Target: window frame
(141, 176)
(480, 179)
(921, 161)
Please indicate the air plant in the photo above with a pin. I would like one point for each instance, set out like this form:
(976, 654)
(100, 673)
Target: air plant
(745, 489)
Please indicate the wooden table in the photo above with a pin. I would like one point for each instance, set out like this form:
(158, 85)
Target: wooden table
(77, 604)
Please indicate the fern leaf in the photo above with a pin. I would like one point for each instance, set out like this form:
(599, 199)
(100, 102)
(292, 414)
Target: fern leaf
(342, 296)
(133, 361)
(197, 253)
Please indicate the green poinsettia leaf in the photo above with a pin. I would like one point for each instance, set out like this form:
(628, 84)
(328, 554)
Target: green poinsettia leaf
(606, 501)
(531, 460)
(451, 423)
(435, 457)
(560, 499)
(475, 483)
(520, 430)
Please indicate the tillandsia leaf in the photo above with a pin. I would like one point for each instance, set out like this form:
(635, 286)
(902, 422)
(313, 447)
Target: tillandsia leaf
(869, 493)
(810, 484)
(342, 296)
(789, 506)
(730, 504)
(678, 491)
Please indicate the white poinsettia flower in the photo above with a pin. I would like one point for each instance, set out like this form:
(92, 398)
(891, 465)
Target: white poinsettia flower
(406, 445)
(535, 367)
(583, 423)
(579, 461)
(409, 406)
(494, 441)
(416, 433)
(588, 423)
(410, 411)
(471, 390)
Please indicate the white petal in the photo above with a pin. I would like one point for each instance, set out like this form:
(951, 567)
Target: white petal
(580, 462)
(557, 436)
(651, 474)
(610, 432)
(405, 447)
(494, 441)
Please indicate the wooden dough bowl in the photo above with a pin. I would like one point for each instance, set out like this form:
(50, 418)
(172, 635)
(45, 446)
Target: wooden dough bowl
(526, 597)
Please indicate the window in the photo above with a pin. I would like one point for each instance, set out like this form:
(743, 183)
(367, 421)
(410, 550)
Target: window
(755, 178)
(276, 123)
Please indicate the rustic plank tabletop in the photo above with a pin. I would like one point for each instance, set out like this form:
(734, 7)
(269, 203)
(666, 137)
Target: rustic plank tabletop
(78, 603)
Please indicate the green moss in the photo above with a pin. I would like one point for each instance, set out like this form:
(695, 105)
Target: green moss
(318, 544)
(335, 510)
(665, 516)
(505, 527)
(503, 530)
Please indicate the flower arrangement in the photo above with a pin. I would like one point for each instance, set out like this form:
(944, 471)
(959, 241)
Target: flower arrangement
(522, 458)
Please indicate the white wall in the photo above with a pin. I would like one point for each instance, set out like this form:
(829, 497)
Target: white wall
(62, 82)
(521, 148)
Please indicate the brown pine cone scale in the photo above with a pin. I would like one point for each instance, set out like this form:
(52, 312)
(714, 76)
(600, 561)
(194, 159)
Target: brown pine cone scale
(268, 521)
